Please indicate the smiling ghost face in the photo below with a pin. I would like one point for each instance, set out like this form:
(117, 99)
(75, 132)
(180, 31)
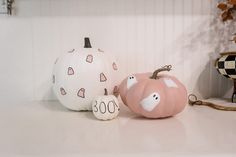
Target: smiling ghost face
(150, 102)
(131, 80)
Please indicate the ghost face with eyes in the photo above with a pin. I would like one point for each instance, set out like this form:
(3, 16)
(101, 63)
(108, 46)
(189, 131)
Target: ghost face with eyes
(131, 80)
(150, 102)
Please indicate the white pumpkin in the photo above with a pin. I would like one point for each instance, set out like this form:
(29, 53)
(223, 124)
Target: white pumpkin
(81, 75)
(105, 107)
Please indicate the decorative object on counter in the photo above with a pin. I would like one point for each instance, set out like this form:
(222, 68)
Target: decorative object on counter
(225, 65)
(105, 107)
(6, 6)
(81, 75)
(213, 103)
(154, 95)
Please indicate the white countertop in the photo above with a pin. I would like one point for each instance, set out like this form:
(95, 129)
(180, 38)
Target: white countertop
(48, 129)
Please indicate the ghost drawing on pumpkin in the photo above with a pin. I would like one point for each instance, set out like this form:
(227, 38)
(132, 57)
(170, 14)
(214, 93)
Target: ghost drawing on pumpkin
(154, 95)
(150, 102)
(131, 81)
(80, 75)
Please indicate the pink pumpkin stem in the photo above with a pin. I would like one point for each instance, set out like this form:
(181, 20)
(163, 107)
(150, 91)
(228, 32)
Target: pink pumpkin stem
(156, 72)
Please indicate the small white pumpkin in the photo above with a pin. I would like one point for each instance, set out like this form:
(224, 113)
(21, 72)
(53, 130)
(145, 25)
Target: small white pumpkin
(105, 107)
(82, 74)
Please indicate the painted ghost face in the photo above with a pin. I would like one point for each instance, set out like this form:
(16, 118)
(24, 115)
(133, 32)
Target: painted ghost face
(150, 102)
(131, 80)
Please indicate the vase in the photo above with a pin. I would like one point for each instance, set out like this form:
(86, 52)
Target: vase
(226, 66)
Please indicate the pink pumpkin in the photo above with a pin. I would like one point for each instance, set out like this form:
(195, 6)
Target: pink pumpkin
(155, 96)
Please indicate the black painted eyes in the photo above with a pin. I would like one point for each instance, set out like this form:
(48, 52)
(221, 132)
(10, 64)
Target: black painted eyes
(131, 77)
(155, 96)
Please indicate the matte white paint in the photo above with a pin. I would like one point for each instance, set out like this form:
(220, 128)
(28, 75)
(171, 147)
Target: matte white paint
(151, 101)
(105, 107)
(131, 80)
(81, 75)
(170, 83)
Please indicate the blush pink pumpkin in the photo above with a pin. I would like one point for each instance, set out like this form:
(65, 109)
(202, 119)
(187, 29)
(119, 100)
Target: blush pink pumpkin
(157, 97)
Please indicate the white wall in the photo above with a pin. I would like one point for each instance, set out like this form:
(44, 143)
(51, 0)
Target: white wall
(142, 34)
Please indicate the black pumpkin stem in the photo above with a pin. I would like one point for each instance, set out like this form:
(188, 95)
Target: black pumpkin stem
(156, 72)
(87, 43)
(105, 91)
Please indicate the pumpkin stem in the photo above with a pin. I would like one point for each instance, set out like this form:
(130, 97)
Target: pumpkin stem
(87, 43)
(116, 91)
(156, 72)
(106, 92)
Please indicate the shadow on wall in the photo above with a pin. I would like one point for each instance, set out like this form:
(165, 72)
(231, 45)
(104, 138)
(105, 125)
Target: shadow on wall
(210, 83)
(219, 86)
(47, 93)
(198, 48)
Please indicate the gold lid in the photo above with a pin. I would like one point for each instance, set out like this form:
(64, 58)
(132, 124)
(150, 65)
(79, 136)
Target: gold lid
(228, 53)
